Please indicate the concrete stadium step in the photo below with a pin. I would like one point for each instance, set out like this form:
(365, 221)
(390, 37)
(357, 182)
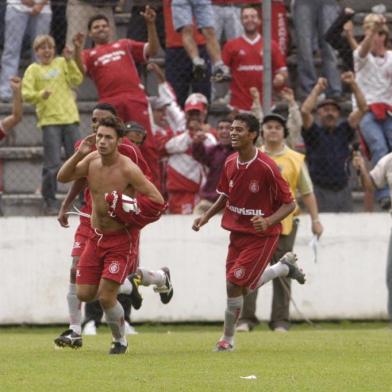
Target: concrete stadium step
(23, 204)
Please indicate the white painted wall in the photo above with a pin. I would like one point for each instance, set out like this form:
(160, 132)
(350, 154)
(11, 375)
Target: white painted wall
(348, 280)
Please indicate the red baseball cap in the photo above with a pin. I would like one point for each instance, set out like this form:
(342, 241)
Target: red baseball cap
(196, 101)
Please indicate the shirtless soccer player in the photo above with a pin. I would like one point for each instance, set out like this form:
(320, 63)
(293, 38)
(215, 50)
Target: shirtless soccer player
(72, 337)
(255, 198)
(106, 259)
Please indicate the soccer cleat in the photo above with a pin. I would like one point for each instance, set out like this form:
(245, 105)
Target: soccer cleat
(223, 346)
(290, 259)
(166, 291)
(135, 296)
(199, 72)
(69, 338)
(118, 348)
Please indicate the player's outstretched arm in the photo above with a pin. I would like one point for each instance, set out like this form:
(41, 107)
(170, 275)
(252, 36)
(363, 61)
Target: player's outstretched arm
(77, 165)
(213, 210)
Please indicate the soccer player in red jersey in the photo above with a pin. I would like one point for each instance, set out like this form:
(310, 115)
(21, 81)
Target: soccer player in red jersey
(112, 67)
(255, 198)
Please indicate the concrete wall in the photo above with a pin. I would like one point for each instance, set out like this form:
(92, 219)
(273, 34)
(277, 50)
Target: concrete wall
(348, 280)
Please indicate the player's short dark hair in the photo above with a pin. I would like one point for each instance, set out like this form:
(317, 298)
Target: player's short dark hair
(251, 122)
(113, 122)
(95, 18)
(105, 106)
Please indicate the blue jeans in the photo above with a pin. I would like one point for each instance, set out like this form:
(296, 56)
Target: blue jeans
(17, 24)
(389, 276)
(312, 18)
(378, 137)
(184, 11)
(55, 136)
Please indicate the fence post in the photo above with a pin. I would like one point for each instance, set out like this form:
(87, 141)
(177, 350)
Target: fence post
(267, 67)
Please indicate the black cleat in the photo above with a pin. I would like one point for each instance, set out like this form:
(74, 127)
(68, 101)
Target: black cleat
(199, 72)
(69, 338)
(290, 259)
(118, 348)
(166, 291)
(135, 297)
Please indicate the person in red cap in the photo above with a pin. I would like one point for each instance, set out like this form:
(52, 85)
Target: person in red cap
(196, 108)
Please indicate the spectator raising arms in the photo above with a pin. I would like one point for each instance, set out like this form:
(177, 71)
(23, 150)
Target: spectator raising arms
(47, 84)
(327, 145)
(244, 57)
(111, 65)
(373, 66)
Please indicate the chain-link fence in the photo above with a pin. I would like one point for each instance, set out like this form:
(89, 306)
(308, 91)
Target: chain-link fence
(52, 80)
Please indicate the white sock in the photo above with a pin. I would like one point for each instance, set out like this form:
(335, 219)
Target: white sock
(272, 272)
(152, 277)
(115, 319)
(126, 287)
(218, 64)
(232, 314)
(74, 309)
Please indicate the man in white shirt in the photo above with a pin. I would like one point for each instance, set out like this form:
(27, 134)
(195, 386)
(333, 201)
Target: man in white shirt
(21, 17)
(373, 67)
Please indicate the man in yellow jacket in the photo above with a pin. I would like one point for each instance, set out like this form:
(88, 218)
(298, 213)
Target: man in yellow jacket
(295, 172)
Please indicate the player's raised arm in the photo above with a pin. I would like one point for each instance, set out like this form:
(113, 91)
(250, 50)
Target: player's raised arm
(77, 165)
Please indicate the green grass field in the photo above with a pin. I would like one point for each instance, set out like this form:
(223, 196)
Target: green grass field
(331, 357)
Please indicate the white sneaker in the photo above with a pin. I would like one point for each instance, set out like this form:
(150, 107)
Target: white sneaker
(90, 329)
(129, 330)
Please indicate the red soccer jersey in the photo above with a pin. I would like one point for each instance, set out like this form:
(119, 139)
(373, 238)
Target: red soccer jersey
(245, 59)
(112, 68)
(255, 188)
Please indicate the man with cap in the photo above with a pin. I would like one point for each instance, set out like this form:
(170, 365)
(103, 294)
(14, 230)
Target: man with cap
(196, 108)
(293, 169)
(327, 140)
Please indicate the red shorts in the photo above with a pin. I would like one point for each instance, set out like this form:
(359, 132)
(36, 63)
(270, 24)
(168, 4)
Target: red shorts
(82, 234)
(248, 257)
(182, 202)
(107, 256)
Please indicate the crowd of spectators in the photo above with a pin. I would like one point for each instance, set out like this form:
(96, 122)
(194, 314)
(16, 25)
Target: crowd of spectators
(206, 44)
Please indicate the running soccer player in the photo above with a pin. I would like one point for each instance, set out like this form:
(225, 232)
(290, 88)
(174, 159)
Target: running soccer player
(72, 337)
(255, 198)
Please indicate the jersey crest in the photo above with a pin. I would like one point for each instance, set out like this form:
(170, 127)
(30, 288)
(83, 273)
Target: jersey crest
(254, 186)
